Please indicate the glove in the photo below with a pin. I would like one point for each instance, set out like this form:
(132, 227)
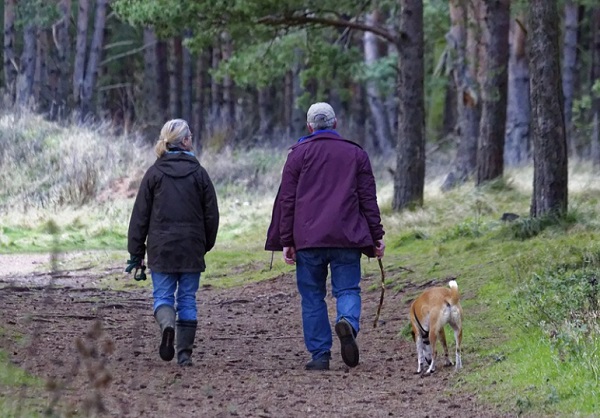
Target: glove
(136, 263)
(133, 262)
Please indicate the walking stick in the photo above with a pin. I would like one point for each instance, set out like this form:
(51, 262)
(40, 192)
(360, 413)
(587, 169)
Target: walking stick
(382, 293)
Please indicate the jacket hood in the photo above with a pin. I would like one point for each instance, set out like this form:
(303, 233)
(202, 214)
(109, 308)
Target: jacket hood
(177, 164)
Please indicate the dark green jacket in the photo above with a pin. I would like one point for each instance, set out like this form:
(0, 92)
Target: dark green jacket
(176, 211)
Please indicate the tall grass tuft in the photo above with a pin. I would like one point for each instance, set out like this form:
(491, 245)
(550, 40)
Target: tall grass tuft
(44, 165)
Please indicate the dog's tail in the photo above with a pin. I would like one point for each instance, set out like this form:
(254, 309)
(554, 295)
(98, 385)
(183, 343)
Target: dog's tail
(454, 295)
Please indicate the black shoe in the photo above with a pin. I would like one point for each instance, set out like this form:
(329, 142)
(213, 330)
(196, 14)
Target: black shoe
(322, 363)
(166, 350)
(345, 333)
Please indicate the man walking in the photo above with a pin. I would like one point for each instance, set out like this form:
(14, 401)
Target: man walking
(326, 215)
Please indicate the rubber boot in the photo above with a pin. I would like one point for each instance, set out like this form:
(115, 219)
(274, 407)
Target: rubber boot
(165, 316)
(186, 333)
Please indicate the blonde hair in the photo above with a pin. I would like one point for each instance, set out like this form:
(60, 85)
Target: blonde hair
(172, 134)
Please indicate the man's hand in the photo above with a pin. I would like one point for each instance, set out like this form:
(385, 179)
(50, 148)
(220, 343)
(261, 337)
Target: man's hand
(379, 249)
(289, 255)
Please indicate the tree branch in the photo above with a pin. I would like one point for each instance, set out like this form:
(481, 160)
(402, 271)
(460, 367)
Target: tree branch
(302, 20)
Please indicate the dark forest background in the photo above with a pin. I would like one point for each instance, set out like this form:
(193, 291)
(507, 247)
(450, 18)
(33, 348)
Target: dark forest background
(492, 81)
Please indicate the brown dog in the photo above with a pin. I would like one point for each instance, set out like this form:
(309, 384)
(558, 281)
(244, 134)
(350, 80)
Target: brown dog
(433, 309)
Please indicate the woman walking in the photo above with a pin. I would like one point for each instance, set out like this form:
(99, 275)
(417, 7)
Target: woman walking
(174, 220)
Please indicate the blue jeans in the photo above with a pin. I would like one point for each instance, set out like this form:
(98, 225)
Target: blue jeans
(185, 284)
(311, 276)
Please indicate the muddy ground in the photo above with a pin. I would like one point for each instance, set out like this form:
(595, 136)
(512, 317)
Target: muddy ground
(96, 350)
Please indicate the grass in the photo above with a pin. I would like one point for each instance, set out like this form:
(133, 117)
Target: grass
(513, 359)
(13, 378)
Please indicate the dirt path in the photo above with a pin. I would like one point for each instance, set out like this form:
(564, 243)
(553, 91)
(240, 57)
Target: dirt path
(97, 349)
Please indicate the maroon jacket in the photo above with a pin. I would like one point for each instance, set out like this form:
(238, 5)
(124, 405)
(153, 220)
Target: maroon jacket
(327, 198)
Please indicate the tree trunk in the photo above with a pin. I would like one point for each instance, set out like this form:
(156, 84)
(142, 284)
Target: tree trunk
(409, 177)
(381, 125)
(358, 107)
(467, 150)
(456, 39)
(188, 85)
(149, 110)
(175, 73)
(458, 84)
(550, 183)
(450, 115)
(569, 69)
(288, 102)
(162, 58)
(517, 149)
(216, 91)
(63, 56)
(80, 51)
(490, 150)
(463, 42)
(298, 126)
(91, 72)
(27, 66)
(201, 85)
(41, 87)
(228, 111)
(265, 111)
(595, 81)
(10, 70)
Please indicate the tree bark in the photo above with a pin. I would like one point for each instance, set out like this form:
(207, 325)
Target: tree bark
(518, 149)
(409, 177)
(201, 85)
(463, 42)
(27, 65)
(216, 90)
(187, 90)
(162, 58)
(175, 80)
(41, 88)
(550, 183)
(288, 102)
(382, 132)
(358, 107)
(10, 70)
(80, 51)
(91, 72)
(472, 95)
(62, 42)
(265, 111)
(456, 39)
(228, 111)
(569, 69)
(450, 116)
(490, 149)
(150, 110)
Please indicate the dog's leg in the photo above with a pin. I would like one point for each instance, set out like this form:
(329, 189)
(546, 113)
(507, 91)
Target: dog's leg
(458, 341)
(432, 341)
(442, 335)
(420, 355)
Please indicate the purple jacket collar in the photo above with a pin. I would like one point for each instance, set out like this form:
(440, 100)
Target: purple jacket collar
(322, 131)
(323, 134)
